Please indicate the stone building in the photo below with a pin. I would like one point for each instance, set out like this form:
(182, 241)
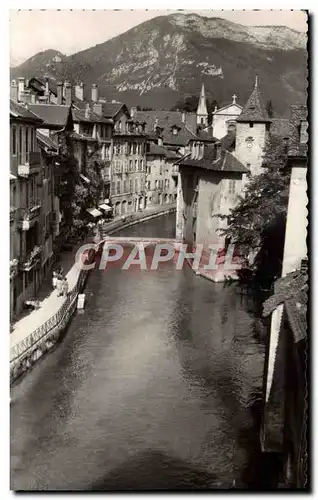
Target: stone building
(26, 223)
(224, 119)
(210, 180)
(284, 429)
(252, 132)
(161, 175)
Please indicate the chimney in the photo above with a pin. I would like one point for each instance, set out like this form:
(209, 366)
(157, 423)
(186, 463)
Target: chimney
(156, 124)
(68, 93)
(14, 91)
(98, 108)
(160, 141)
(87, 111)
(94, 92)
(79, 91)
(133, 112)
(183, 117)
(59, 93)
(47, 90)
(21, 85)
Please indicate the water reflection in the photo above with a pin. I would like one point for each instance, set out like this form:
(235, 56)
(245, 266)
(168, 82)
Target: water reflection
(149, 389)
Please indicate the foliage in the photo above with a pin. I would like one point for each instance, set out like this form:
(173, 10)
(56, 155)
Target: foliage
(256, 225)
(190, 105)
(72, 187)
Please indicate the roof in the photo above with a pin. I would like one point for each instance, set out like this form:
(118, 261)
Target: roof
(219, 111)
(83, 137)
(226, 163)
(52, 84)
(280, 127)
(79, 115)
(155, 149)
(23, 112)
(291, 291)
(228, 141)
(254, 110)
(166, 120)
(46, 141)
(298, 143)
(110, 109)
(52, 114)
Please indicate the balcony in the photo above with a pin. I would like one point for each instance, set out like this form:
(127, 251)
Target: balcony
(29, 216)
(29, 163)
(32, 259)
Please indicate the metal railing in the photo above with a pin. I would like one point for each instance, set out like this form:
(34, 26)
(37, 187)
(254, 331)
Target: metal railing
(34, 337)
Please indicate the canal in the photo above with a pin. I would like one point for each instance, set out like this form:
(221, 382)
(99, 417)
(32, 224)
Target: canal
(150, 388)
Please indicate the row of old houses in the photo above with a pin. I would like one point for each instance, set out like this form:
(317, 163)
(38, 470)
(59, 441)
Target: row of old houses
(130, 155)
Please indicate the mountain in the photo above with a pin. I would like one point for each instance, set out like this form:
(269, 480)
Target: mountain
(168, 57)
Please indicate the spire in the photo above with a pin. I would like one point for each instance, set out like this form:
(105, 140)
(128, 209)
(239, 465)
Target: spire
(254, 110)
(202, 112)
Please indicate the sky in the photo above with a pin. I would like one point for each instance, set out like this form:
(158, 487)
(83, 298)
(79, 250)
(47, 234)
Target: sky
(69, 31)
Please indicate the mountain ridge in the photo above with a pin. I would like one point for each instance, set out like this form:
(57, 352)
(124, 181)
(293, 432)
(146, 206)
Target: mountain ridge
(160, 60)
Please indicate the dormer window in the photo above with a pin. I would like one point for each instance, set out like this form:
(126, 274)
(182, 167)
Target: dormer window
(175, 129)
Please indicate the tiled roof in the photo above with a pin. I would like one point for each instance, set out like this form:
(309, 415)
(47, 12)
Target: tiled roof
(46, 141)
(51, 114)
(23, 112)
(226, 163)
(166, 120)
(280, 127)
(254, 110)
(292, 292)
(228, 141)
(110, 109)
(79, 115)
(154, 149)
(52, 84)
(296, 147)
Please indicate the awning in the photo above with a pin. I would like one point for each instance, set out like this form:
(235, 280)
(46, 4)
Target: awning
(105, 207)
(85, 178)
(94, 212)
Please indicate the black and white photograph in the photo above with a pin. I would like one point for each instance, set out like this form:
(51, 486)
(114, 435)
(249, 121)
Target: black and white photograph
(158, 248)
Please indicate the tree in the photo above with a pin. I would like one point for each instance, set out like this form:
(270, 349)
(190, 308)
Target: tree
(269, 108)
(257, 224)
(189, 104)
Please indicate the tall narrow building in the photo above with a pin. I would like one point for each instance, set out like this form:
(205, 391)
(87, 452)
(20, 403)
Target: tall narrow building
(252, 131)
(202, 112)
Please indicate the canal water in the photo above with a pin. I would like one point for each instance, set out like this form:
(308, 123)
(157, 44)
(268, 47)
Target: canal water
(150, 389)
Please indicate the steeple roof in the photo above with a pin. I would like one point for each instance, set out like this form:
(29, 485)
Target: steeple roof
(254, 110)
(202, 109)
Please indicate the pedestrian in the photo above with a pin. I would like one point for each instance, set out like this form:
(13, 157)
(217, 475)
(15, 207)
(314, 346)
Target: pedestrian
(59, 286)
(54, 280)
(65, 287)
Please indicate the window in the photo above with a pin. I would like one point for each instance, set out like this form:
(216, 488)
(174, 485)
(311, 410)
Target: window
(113, 187)
(14, 140)
(20, 140)
(136, 165)
(156, 184)
(117, 148)
(148, 185)
(251, 125)
(27, 139)
(119, 126)
(141, 165)
(167, 183)
(130, 165)
(125, 166)
(125, 186)
(118, 187)
(248, 165)
(231, 187)
(130, 186)
(136, 185)
(134, 146)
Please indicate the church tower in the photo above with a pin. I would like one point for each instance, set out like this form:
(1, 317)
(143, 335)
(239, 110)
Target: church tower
(252, 131)
(202, 112)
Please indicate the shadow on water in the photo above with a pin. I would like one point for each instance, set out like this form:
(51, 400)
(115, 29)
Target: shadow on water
(153, 470)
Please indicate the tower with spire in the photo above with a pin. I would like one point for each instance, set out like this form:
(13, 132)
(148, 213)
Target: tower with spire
(202, 112)
(252, 131)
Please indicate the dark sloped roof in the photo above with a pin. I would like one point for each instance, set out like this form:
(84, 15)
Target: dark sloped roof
(291, 291)
(51, 114)
(280, 127)
(46, 141)
(110, 109)
(79, 115)
(154, 149)
(166, 120)
(228, 141)
(23, 112)
(226, 163)
(298, 117)
(254, 110)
